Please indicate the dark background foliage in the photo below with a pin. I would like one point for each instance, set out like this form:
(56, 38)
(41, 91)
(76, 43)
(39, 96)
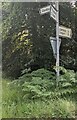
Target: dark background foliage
(25, 35)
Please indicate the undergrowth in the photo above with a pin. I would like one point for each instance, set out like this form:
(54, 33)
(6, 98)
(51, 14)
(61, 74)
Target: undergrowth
(36, 95)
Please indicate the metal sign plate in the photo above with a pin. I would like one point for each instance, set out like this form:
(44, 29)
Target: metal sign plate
(65, 32)
(44, 10)
(53, 13)
(53, 42)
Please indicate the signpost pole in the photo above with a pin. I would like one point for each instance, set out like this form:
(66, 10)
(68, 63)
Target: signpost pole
(60, 31)
(57, 37)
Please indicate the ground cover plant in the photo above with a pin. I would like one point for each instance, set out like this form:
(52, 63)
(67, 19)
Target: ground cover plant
(35, 95)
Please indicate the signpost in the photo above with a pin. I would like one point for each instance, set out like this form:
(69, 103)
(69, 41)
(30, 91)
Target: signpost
(61, 31)
(57, 37)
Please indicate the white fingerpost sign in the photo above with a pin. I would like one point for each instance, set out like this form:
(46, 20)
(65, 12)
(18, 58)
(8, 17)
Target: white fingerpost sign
(53, 13)
(44, 10)
(65, 32)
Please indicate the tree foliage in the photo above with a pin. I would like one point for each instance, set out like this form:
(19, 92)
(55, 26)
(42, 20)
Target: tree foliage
(26, 35)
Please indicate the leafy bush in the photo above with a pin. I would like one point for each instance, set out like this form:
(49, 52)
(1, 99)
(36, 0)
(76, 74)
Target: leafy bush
(36, 84)
(38, 91)
(40, 84)
(68, 77)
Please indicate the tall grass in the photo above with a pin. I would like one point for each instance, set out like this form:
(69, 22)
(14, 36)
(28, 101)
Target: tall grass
(37, 108)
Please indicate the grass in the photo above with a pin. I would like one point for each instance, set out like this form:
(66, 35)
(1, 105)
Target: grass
(0, 106)
(14, 106)
(62, 108)
(0, 96)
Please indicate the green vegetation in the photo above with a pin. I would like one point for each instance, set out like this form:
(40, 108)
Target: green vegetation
(26, 37)
(35, 95)
(29, 80)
